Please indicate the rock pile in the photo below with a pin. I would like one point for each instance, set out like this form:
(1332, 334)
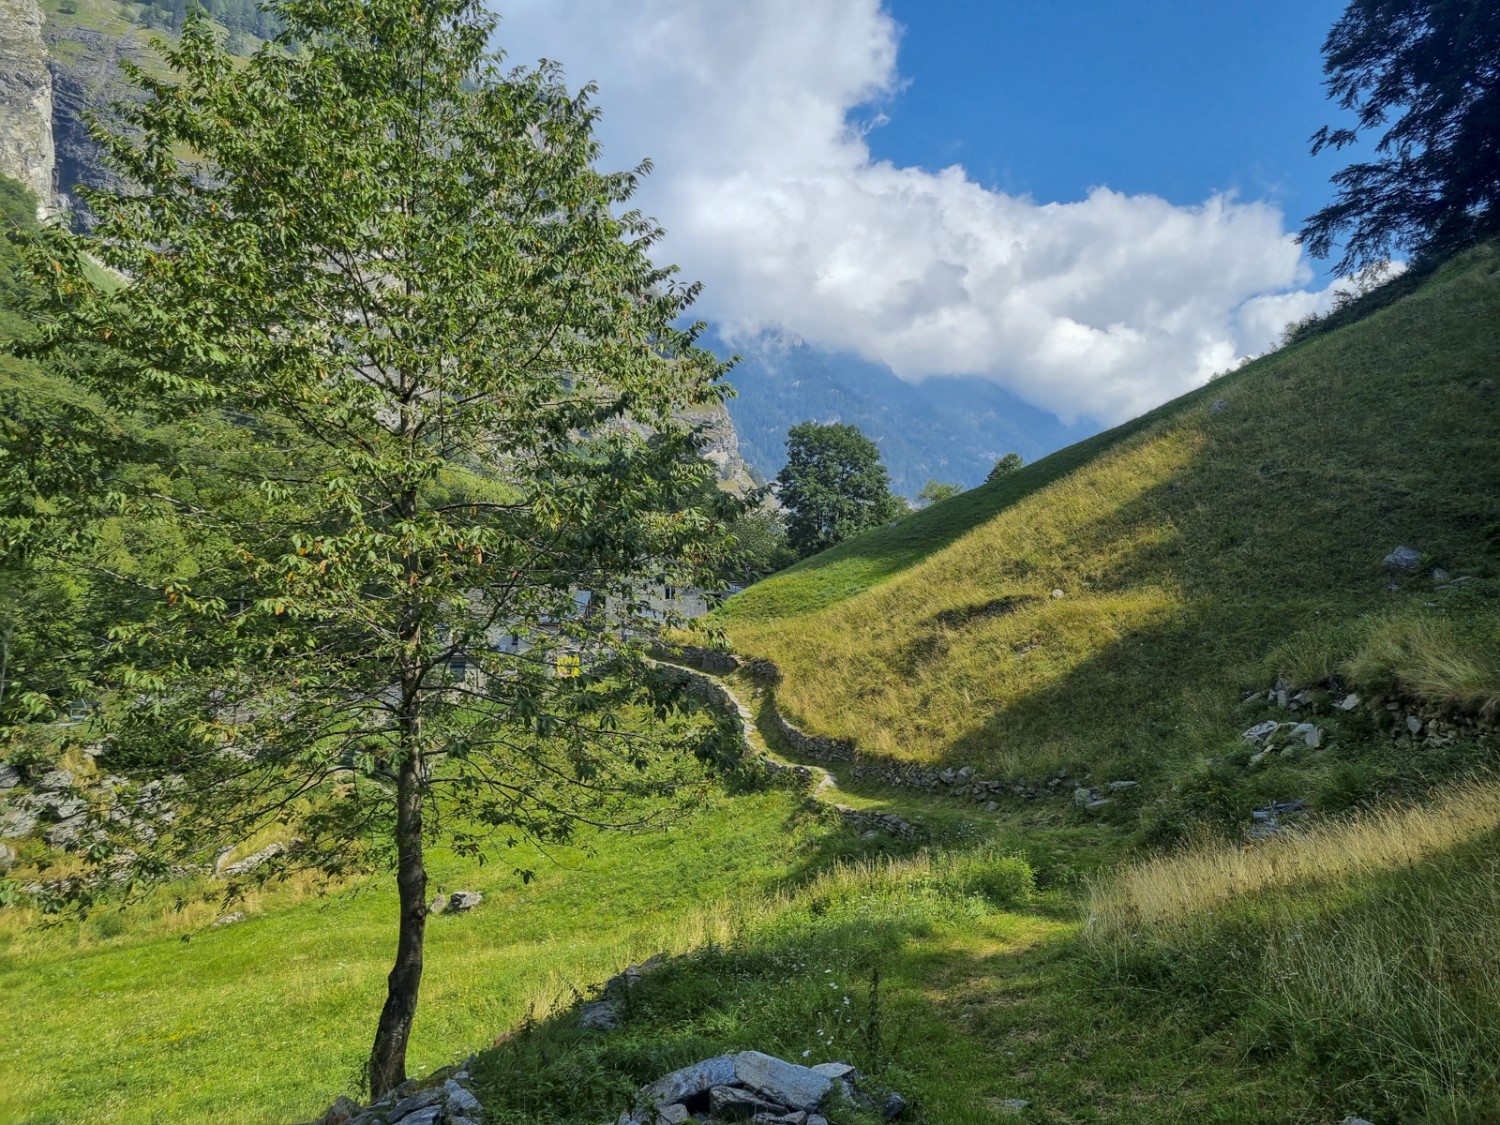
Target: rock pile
(756, 1087)
(446, 1101)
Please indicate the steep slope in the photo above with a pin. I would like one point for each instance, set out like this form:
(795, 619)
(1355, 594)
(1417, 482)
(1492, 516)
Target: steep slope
(1105, 608)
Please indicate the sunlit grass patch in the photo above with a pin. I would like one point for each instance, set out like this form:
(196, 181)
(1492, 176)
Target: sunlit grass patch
(1165, 891)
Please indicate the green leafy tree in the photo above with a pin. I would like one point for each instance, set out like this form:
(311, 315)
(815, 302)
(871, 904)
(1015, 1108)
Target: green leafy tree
(833, 486)
(423, 386)
(1433, 65)
(1007, 464)
(935, 490)
(760, 547)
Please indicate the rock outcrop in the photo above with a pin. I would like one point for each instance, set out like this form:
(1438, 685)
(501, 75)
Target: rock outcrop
(27, 152)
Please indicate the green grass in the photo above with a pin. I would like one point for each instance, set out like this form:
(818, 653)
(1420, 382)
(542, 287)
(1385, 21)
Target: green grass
(1196, 553)
(978, 1001)
(1357, 955)
(271, 1018)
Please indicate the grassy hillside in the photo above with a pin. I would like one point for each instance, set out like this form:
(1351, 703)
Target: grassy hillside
(1105, 608)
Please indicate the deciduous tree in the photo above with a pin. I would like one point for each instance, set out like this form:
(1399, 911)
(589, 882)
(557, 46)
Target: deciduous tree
(1433, 65)
(422, 378)
(833, 486)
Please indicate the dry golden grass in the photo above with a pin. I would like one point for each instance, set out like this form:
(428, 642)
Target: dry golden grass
(1167, 890)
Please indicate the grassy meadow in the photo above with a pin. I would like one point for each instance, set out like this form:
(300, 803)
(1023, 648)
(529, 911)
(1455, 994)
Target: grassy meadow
(1144, 965)
(1105, 608)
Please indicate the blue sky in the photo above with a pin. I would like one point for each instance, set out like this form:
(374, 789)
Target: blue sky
(1177, 98)
(1090, 204)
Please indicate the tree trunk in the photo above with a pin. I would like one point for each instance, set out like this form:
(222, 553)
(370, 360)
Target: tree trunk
(388, 1055)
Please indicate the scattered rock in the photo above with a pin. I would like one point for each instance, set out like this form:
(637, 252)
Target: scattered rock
(1407, 559)
(10, 777)
(231, 919)
(464, 900)
(69, 827)
(601, 1015)
(1011, 1105)
(54, 780)
(1261, 731)
(1414, 725)
(1082, 796)
(1355, 1121)
(1439, 575)
(893, 1106)
(430, 1098)
(16, 820)
(1116, 786)
(460, 1099)
(251, 862)
(7, 859)
(1058, 594)
(1309, 734)
(1349, 702)
(1096, 805)
(343, 1109)
(835, 1070)
(1218, 406)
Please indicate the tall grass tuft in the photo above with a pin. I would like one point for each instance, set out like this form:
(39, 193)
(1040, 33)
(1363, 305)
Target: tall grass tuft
(1365, 948)
(1431, 658)
(1168, 890)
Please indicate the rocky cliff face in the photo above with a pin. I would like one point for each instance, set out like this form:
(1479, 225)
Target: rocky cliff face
(86, 78)
(27, 152)
(722, 447)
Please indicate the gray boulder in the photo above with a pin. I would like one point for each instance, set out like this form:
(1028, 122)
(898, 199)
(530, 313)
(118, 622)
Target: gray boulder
(796, 1086)
(464, 900)
(683, 1084)
(460, 1100)
(598, 1016)
(1218, 406)
(1406, 559)
(10, 777)
(7, 859)
(737, 1102)
(673, 1114)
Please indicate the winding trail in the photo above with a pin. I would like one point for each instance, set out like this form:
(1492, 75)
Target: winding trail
(825, 784)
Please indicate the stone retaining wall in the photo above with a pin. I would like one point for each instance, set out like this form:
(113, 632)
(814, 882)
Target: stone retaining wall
(702, 686)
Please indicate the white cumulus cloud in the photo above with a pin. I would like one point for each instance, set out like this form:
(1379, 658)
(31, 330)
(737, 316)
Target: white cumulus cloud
(756, 112)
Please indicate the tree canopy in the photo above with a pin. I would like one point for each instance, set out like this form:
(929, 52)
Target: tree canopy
(1007, 464)
(1435, 183)
(394, 364)
(833, 486)
(935, 490)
